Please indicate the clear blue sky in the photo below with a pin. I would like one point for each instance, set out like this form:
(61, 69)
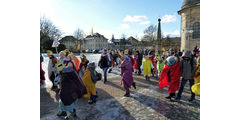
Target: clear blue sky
(109, 17)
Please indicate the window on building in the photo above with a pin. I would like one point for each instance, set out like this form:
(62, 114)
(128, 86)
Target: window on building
(196, 30)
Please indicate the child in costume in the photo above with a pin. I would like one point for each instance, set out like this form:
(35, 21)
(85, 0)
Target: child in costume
(89, 79)
(152, 56)
(51, 67)
(76, 61)
(160, 65)
(71, 88)
(59, 65)
(126, 74)
(83, 65)
(135, 65)
(170, 75)
(147, 66)
(196, 86)
(42, 73)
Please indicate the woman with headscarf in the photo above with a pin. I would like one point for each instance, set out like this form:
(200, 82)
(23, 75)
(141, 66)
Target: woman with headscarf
(170, 75)
(89, 79)
(126, 74)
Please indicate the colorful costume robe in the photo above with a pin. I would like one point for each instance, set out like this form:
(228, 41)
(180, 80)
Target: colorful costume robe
(147, 67)
(126, 73)
(87, 80)
(174, 77)
(196, 86)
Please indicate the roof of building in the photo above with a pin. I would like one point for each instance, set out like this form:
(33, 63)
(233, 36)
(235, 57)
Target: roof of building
(68, 38)
(132, 39)
(96, 35)
(190, 3)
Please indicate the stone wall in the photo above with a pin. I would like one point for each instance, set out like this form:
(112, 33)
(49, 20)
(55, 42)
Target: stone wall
(188, 17)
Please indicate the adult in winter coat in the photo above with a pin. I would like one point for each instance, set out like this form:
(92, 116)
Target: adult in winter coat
(187, 64)
(71, 88)
(104, 64)
(139, 62)
(126, 74)
(51, 67)
(89, 79)
(170, 75)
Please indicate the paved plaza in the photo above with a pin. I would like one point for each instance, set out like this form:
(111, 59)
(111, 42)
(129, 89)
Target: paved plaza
(147, 102)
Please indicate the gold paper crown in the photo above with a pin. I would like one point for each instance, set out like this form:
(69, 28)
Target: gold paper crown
(49, 52)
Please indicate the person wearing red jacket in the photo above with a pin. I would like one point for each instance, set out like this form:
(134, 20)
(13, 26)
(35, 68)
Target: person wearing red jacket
(170, 75)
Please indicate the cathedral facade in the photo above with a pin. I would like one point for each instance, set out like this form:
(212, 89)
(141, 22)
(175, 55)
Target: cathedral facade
(190, 24)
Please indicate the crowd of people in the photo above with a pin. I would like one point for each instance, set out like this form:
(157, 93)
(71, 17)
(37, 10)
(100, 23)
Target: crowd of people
(76, 78)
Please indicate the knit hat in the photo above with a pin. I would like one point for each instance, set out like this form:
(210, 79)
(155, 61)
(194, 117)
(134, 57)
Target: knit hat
(187, 54)
(170, 61)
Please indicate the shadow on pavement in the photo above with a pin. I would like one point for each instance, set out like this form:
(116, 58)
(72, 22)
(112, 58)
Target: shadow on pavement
(167, 109)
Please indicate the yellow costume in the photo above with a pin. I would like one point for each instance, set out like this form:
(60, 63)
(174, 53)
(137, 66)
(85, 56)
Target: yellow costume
(196, 86)
(147, 66)
(87, 80)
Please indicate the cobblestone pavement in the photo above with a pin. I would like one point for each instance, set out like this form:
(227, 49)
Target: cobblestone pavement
(147, 102)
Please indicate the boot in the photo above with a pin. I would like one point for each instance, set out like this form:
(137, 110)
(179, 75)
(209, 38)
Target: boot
(191, 99)
(90, 101)
(134, 85)
(104, 81)
(146, 77)
(74, 113)
(127, 95)
(62, 114)
(168, 97)
(110, 71)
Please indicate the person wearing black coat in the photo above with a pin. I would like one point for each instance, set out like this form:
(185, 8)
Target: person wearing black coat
(71, 88)
(139, 62)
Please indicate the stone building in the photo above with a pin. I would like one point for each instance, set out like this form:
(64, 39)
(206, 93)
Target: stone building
(174, 43)
(190, 24)
(134, 42)
(119, 43)
(70, 42)
(95, 41)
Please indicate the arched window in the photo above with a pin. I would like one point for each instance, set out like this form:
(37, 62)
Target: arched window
(196, 30)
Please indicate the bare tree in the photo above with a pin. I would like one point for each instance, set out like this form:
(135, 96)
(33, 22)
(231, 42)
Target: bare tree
(78, 34)
(47, 28)
(150, 33)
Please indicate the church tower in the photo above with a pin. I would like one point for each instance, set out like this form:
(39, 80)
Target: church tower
(190, 24)
(159, 37)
